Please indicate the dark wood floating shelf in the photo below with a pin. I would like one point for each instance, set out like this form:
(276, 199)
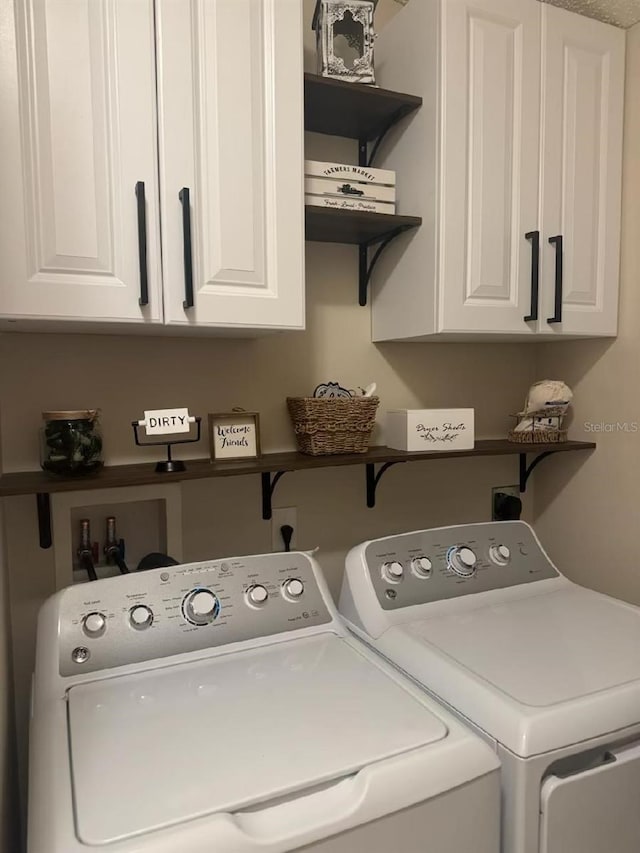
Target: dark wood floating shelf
(330, 225)
(143, 474)
(270, 466)
(353, 110)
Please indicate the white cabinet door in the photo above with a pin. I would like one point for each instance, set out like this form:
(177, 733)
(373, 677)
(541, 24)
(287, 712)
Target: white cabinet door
(489, 157)
(583, 92)
(231, 125)
(77, 105)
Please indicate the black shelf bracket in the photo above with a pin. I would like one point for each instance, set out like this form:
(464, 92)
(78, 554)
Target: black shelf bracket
(373, 478)
(268, 486)
(43, 502)
(366, 156)
(367, 266)
(526, 470)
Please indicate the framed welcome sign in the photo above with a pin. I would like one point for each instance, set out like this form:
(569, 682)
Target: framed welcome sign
(234, 435)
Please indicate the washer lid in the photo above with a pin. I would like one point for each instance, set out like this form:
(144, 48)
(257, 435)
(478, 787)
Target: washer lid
(536, 673)
(165, 746)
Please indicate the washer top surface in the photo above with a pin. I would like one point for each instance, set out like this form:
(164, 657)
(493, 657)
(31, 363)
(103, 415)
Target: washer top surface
(164, 746)
(544, 649)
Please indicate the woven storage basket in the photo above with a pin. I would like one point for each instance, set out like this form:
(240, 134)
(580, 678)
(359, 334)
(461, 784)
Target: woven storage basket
(540, 435)
(324, 426)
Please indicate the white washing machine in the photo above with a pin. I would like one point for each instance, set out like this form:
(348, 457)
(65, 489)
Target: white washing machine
(222, 706)
(545, 670)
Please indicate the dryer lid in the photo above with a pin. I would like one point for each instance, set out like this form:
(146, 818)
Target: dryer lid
(538, 672)
(168, 745)
(543, 649)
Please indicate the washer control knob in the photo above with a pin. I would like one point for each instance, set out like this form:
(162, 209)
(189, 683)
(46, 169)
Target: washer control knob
(462, 561)
(201, 606)
(500, 554)
(257, 594)
(421, 567)
(94, 624)
(140, 617)
(293, 588)
(392, 571)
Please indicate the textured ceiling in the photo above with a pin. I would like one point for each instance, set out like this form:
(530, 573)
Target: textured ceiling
(622, 13)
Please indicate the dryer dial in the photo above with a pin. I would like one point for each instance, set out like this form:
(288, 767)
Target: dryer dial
(201, 606)
(500, 554)
(462, 561)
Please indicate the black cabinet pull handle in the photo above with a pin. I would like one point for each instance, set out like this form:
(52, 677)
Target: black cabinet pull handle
(534, 236)
(142, 243)
(183, 195)
(557, 305)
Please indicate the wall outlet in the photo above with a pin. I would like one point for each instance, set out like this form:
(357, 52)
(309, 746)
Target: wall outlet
(505, 490)
(279, 516)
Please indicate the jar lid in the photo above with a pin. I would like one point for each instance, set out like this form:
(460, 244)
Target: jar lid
(71, 415)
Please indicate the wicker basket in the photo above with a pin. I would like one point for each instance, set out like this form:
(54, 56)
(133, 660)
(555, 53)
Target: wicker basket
(324, 426)
(541, 435)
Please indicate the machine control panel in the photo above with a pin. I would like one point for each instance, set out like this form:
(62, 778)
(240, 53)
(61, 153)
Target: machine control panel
(163, 612)
(433, 565)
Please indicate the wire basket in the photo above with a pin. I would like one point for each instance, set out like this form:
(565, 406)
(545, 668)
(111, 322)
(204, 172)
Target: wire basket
(325, 426)
(544, 426)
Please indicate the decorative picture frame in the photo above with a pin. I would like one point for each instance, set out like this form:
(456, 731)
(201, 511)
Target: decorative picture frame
(234, 435)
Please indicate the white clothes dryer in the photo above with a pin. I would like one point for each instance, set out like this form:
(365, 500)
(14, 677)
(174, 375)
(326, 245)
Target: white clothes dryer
(222, 706)
(547, 671)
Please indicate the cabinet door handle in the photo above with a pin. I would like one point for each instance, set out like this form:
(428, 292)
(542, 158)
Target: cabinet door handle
(534, 236)
(557, 305)
(142, 243)
(183, 195)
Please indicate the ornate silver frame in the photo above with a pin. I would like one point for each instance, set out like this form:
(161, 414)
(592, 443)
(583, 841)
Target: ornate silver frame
(331, 11)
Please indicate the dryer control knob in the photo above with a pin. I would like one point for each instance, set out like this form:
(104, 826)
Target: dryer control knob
(140, 617)
(462, 561)
(257, 594)
(293, 588)
(201, 606)
(94, 624)
(500, 554)
(392, 571)
(421, 567)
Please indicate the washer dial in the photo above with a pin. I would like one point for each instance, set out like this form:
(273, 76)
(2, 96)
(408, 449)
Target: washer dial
(393, 571)
(94, 624)
(462, 561)
(140, 617)
(293, 588)
(257, 594)
(201, 606)
(500, 554)
(421, 567)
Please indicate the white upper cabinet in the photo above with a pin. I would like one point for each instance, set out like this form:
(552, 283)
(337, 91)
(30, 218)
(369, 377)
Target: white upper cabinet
(583, 103)
(195, 103)
(231, 162)
(491, 77)
(77, 107)
(519, 140)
